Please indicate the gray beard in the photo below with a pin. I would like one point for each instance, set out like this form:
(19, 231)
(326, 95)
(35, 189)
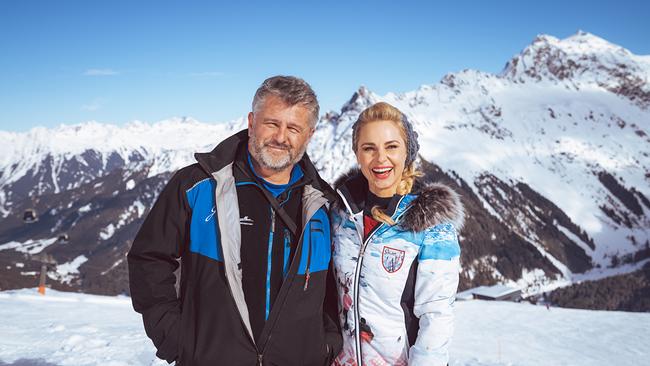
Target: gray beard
(261, 155)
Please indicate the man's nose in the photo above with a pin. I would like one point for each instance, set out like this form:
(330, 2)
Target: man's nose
(281, 134)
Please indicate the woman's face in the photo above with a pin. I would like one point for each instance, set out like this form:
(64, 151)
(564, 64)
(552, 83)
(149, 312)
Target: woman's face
(381, 154)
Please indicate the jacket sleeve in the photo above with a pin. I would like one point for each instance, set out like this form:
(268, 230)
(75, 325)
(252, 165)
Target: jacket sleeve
(152, 261)
(331, 323)
(435, 291)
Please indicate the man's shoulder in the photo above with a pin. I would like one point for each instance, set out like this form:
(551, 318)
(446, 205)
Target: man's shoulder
(188, 176)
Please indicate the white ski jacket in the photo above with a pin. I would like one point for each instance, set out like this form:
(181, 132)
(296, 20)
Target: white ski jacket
(397, 288)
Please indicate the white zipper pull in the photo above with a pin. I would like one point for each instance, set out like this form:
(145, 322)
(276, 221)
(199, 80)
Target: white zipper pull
(306, 280)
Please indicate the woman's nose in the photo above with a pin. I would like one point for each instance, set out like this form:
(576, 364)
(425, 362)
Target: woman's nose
(381, 155)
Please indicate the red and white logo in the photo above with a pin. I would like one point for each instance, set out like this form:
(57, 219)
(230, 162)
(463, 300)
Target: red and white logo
(392, 259)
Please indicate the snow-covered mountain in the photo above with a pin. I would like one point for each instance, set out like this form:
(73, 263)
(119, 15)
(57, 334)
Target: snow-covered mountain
(44, 161)
(550, 155)
(566, 120)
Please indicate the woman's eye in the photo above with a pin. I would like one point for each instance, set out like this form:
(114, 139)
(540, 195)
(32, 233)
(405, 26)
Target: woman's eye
(393, 146)
(368, 148)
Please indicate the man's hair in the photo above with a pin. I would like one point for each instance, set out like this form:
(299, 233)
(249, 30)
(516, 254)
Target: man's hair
(292, 91)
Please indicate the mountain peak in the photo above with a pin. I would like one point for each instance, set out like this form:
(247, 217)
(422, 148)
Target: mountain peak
(360, 100)
(582, 59)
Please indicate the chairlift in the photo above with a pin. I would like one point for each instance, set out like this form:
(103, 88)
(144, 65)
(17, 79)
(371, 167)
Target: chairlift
(30, 216)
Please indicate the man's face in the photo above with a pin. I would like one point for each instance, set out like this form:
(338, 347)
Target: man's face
(278, 134)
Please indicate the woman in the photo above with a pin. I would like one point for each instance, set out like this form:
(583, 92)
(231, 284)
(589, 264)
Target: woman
(395, 253)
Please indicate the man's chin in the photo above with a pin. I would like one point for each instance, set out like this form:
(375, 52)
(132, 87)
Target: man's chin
(277, 162)
(275, 165)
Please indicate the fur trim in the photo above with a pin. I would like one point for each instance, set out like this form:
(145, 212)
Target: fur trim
(353, 172)
(436, 204)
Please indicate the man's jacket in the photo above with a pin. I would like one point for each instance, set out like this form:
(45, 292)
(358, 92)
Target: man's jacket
(197, 219)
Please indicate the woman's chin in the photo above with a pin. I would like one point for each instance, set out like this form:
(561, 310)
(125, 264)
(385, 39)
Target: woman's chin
(382, 188)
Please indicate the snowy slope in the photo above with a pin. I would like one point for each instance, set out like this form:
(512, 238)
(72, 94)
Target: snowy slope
(72, 329)
(78, 330)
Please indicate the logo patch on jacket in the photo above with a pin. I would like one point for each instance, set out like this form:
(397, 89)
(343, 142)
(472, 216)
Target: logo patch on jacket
(211, 215)
(392, 259)
(246, 221)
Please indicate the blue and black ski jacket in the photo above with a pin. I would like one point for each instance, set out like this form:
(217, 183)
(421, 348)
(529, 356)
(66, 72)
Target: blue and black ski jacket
(252, 292)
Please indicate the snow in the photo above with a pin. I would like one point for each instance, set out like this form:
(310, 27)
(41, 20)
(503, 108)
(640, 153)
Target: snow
(130, 184)
(83, 330)
(112, 266)
(139, 207)
(107, 232)
(66, 272)
(603, 272)
(575, 239)
(30, 246)
(504, 333)
(72, 329)
(495, 291)
(85, 208)
(136, 210)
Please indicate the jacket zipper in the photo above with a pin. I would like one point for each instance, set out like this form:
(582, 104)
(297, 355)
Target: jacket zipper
(268, 266)
(357, 276)
(308, 261)
(260, 356)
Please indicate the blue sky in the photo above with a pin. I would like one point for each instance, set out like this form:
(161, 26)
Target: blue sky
(117, 61)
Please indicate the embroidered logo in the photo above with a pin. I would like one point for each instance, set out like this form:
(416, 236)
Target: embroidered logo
(392, 259)
(212, 212)
(246, 221)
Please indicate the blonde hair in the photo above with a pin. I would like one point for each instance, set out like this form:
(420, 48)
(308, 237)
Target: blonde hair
(383, 111)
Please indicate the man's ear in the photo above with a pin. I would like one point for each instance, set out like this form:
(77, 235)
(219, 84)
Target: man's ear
(250, 122)
(311, 132)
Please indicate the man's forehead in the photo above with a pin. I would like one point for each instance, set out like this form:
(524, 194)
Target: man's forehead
(282, 112)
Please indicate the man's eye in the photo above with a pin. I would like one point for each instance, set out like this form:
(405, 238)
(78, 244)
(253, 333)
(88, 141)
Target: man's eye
(393, 146)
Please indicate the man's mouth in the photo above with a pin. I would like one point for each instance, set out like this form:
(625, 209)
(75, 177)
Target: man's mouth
(278, 147)
(382, 172)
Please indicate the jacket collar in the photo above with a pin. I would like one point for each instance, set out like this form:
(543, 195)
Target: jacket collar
(227, 151)
(354, 187)
(430, 205)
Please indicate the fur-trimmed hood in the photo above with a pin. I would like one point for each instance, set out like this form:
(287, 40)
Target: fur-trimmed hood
(435, 204)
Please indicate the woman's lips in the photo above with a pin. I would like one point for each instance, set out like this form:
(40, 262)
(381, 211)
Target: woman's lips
(382, 172)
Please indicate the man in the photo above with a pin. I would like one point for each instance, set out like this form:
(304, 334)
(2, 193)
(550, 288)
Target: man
(249, 223)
